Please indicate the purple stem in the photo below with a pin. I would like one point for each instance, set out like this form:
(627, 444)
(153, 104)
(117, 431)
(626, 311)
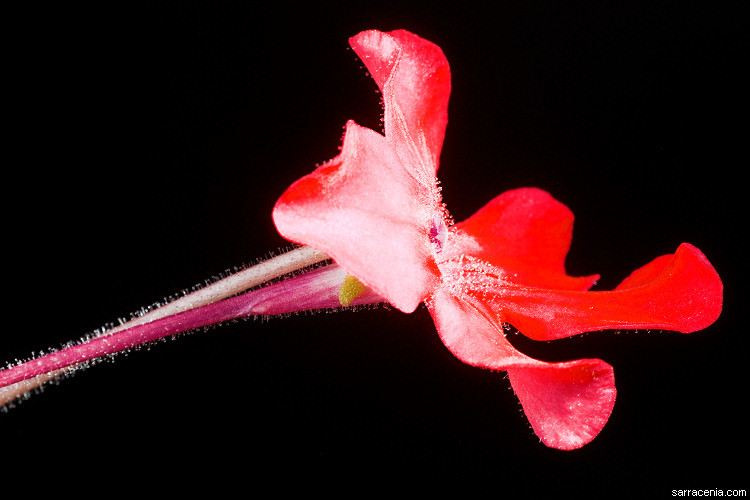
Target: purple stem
(315, 289)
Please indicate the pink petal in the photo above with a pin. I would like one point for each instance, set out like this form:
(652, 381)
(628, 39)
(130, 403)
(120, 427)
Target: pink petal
(566, 403)
(370, 215)
(414, 77)
(372, 207)
(682, 293)
(526, 233)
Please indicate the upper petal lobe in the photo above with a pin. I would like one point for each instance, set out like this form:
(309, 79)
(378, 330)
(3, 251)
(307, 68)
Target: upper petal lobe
(367, 212)
(525, 232)
(414, 78)
(372, 207)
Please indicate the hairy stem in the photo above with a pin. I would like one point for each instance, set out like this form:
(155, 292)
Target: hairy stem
(20, 379)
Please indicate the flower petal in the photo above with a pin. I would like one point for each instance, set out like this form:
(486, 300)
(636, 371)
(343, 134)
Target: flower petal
(369, 214)
(372, 207)
(566, 403)
(414, 78)
(682, 293)
(526, 233)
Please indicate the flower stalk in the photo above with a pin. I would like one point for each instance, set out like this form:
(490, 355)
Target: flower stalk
(185, 313)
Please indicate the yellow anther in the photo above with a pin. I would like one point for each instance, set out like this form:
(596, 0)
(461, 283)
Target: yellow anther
(350, 289)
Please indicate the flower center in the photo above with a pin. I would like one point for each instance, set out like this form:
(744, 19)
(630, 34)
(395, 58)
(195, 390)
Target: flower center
(438, 233)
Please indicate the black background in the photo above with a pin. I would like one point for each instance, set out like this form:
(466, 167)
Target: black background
(149, 144)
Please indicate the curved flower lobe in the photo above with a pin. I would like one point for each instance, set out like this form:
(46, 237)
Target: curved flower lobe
(381, 185)
(346, 206)
(414, 77)
(685, 297)
(566, 403)
(525, 232)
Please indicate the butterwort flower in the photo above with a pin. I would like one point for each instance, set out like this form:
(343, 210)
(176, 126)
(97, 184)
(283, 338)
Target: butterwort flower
(376, 210)
(374, 229)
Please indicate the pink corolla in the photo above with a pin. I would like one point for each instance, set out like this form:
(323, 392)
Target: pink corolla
(374, 229)
(376, 210)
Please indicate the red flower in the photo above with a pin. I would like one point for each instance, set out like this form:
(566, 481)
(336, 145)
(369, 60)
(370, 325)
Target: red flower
(376, 210)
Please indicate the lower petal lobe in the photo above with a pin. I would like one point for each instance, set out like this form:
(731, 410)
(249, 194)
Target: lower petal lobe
(566, 403)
